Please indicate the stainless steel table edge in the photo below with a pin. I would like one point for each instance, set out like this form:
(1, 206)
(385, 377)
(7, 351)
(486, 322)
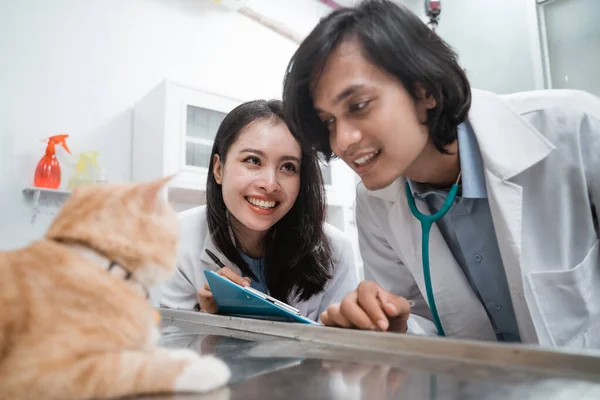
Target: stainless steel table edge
(556, 362)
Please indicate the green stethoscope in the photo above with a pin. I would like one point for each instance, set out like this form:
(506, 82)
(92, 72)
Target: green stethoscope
(426, 222)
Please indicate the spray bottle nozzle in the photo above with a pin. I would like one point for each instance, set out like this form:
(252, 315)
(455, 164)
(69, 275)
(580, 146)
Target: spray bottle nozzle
(91, 157)
(57, 139)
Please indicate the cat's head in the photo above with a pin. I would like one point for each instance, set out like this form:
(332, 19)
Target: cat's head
(127, 223)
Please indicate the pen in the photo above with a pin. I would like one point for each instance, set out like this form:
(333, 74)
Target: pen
(185, 277)
(214, 258)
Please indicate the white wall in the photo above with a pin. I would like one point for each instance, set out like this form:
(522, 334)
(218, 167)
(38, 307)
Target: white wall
(495, 42)
(77, 66)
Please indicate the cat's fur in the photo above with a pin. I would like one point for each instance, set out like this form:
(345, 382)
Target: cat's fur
(69, 329)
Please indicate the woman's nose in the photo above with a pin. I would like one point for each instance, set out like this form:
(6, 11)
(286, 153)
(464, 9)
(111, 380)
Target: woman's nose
(269, 181)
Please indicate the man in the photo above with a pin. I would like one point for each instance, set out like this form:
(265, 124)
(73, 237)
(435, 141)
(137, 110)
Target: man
(516, 256)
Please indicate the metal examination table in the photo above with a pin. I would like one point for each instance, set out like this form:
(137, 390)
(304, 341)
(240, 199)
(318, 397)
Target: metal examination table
(272, 360)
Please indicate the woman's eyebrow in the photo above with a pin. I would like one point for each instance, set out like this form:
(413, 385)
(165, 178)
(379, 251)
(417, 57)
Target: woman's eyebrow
(290, 158)
(263, 154)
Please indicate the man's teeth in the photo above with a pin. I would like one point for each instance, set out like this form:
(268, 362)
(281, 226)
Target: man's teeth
(366, 158)
(261, 203)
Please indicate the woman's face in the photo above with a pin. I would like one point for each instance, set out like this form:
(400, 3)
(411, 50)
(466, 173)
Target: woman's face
(260, 177)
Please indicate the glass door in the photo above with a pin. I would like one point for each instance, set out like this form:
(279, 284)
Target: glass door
(202, 126)
(570, 35)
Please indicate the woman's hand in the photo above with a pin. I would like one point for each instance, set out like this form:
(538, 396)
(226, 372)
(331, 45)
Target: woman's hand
(205, 297)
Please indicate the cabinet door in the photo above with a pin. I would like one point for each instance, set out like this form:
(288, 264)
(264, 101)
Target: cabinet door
(201, 127)
(196, 121)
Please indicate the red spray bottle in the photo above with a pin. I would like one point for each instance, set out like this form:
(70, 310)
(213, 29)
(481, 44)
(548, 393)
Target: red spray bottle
(47, 173)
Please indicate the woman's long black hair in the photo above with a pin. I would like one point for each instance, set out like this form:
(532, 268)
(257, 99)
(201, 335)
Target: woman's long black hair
(297, 252)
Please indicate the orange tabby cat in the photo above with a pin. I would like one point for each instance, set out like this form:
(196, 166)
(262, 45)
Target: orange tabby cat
(73, 328)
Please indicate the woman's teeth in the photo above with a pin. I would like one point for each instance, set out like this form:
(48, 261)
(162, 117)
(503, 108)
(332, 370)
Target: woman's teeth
(261, 203)
(364, 159)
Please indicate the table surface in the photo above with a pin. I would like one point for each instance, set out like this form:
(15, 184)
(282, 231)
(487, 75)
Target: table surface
(295, 361)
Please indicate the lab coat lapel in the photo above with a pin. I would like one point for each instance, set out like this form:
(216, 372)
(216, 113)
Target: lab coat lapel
(208, 244)
(460, 311)
(508, 146)
(506, 200)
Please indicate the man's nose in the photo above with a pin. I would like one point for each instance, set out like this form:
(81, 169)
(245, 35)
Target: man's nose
(344, 138)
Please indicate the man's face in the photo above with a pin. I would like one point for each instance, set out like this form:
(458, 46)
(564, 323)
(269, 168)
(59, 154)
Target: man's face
(374, 124)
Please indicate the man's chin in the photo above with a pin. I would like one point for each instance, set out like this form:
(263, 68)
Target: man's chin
(376, 184)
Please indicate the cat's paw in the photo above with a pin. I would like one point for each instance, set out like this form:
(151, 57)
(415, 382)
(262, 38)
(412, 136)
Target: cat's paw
(202, 375)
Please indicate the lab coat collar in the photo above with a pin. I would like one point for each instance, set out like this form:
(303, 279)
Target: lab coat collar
(508, 144)
(391, 192)
(210, 246)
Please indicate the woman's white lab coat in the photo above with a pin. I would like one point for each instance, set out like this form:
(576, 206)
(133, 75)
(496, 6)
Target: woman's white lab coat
(541, 155)
(193, 260)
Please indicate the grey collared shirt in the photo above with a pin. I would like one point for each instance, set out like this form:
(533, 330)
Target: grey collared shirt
(469, 232)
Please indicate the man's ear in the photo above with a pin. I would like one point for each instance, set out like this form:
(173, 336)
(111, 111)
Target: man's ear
(217, 169)
(426, 99)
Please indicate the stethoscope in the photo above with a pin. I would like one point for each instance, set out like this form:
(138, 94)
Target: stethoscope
(426, 222)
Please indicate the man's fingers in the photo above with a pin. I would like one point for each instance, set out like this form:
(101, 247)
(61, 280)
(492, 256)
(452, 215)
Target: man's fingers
(397, 309)
(336, 318)
(232, 276)
(394, 306)
(325, 320)
(368, 301)
(352, 311)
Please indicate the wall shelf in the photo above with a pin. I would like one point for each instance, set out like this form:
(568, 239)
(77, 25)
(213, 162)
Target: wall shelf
(33, 189)
(55, 197)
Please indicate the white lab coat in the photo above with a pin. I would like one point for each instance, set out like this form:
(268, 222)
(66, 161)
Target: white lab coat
(541, 155)
(193, 260)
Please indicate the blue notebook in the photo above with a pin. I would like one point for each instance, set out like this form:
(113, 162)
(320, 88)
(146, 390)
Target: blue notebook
(233, 299)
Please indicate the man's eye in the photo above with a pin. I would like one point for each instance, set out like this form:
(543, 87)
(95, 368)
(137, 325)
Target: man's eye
(358, 106)
(328, 122)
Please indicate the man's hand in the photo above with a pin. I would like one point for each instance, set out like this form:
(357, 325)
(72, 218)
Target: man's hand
(205, 297)
(369, 307)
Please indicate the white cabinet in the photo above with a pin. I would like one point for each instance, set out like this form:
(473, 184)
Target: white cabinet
(173, 132)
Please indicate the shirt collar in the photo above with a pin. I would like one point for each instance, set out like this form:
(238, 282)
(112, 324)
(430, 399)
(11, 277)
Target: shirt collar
(471, 165)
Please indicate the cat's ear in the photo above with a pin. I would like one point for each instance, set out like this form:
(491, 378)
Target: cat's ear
(149, 193)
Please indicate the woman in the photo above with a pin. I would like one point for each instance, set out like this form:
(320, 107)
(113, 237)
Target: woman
(265, 220)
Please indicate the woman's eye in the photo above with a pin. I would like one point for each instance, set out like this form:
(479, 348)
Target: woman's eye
(358, 106)
(252, 160)
(290, 167)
